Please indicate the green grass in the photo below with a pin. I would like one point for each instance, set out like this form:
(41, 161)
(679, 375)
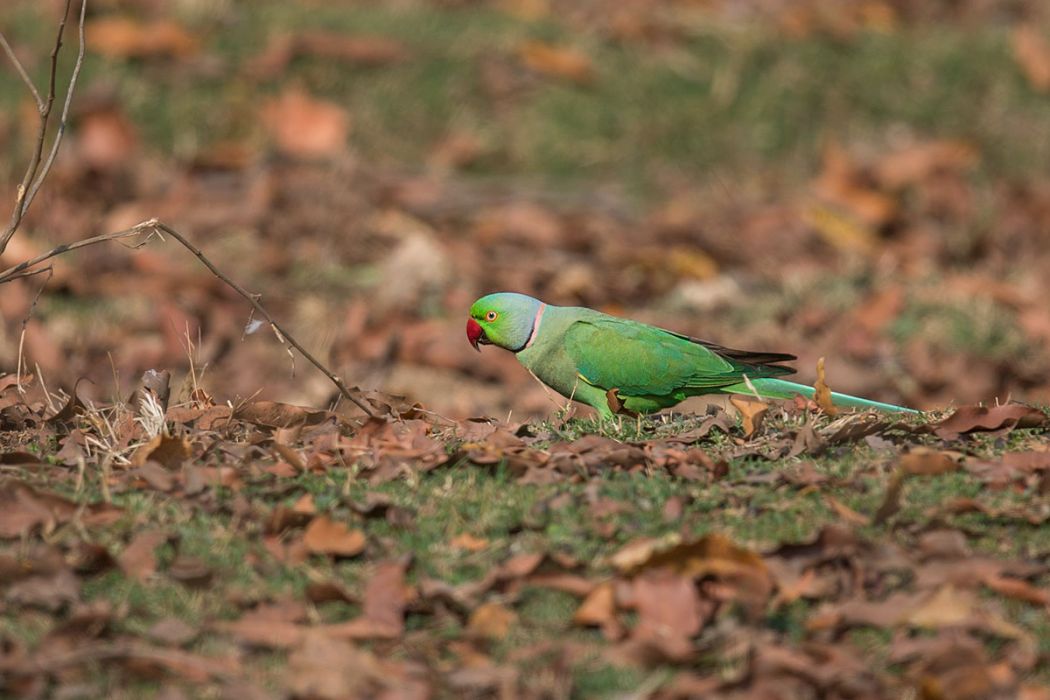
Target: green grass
(756, 511)
(730, 101)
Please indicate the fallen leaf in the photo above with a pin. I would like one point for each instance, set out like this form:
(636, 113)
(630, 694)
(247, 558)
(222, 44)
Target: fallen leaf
(491, 621)
(124, 37)
(598, 609)
(272, 414)
(106, 139)
(1018, 590)
(743, 571)
(846, 513)
(306, 127)
(669, 611)
(924, 461)
(23, 509)
(557, 61)
(891, 500)
(752, 413)
(969, 419)
(823, 392)
(139, 559)
(326, 536)
(167, 451)
(332, 669)
(469, 542)
(355, 49)
(172, 631)
(1032, 53)
(948, 606)
(383, 606)
(51, 593)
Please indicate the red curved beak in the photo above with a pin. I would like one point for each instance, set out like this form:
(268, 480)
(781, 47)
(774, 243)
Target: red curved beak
(474, 333)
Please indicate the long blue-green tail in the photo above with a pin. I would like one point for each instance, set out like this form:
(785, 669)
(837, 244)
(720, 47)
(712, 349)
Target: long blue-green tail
(770, 388)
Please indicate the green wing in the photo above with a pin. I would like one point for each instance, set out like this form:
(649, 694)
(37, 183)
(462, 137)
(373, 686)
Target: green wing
(642, 360)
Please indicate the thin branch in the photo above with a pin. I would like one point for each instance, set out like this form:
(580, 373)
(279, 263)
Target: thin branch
(34, 163)
(50, 270)
(35, 187)
(152, 227)
(35, 176)
(21, 269)
(259, 309)
(22, 72)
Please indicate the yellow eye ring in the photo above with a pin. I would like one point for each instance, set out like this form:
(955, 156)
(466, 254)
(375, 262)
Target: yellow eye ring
(491, 316)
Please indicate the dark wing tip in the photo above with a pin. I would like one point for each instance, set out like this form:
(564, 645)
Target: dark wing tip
(767, 360)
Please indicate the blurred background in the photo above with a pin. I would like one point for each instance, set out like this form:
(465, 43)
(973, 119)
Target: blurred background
(864, 180)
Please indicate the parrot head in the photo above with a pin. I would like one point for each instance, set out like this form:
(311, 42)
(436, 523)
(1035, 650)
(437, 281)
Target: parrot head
(505, 319)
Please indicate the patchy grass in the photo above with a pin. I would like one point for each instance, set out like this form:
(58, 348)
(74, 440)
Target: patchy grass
(459, 524)
(732, 100)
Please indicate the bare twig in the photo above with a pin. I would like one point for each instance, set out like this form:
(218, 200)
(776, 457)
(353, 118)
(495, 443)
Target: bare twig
(251, 299)
(22, 72)
(35, 175)
(35, 187)
(23, 269)
(153, 227)
(49, 270)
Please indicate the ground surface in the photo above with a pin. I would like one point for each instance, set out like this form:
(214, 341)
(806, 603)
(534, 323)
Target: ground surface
(861, 181)
(264, 550)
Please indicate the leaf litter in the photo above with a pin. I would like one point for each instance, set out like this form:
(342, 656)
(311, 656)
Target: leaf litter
(265, 549)
(678, 600)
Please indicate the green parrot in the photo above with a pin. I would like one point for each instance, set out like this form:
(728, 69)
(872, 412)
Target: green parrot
(612, 363)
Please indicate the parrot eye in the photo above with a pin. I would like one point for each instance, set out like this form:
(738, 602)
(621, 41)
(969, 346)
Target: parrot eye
(491, 316)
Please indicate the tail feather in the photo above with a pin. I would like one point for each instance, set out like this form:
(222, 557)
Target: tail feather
(770, 388)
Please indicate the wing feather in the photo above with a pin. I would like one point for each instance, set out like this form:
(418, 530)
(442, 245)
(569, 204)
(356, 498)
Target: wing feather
(642, 360)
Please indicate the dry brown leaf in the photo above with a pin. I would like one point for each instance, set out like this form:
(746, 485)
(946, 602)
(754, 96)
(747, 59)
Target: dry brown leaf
(845, 233)
(24, 509)
(1018, 590)
(970, 419)
(326, 536)
(823, 392)
(139, 559)
(491, 621)
(172, 631)
(917, 163)
(306, 127)
(106, 139)
(332, 669)
(266, 634)
(923, 461)
(383, 614)
(891, 501)
(469, 542)
(598, 609)
(742, 571)
(273, 414)
(752, 413)
(1032, 53)
(167, 451)
(557, 61)
(669, 610)
(305, 505)
(947, 607)
(846, 513)
(841, 182)
(125, 37)
(357, 49)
